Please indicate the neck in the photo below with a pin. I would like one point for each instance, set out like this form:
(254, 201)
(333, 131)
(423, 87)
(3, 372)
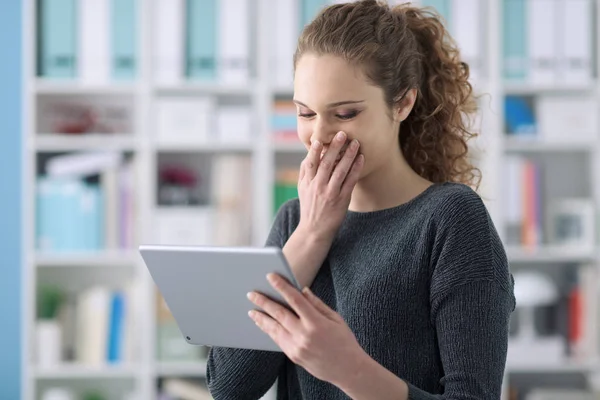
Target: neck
(391, 185)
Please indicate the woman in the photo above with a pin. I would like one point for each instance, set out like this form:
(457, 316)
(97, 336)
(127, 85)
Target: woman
(410, 291)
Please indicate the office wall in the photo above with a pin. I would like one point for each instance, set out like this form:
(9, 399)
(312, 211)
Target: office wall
(10, 199)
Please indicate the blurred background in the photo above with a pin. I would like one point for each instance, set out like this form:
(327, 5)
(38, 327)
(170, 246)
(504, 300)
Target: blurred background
(170, 121)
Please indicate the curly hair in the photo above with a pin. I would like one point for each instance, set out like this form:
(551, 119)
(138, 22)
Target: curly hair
(400, 48)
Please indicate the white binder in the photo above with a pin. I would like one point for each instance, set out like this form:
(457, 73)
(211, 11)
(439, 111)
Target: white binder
(286, 18)
(543, 23)
(169, 44)
(576, 43)
(94, 51)
(233, 40)
(467, 29)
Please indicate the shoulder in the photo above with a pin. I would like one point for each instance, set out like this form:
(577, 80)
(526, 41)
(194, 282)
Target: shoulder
(456, 202)
(466, 246)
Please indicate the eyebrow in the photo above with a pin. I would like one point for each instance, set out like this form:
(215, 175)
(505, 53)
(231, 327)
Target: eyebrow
(331, 105)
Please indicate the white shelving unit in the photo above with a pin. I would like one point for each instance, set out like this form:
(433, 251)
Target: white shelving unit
(143, 374)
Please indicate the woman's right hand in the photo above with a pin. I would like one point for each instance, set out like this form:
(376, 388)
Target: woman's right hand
(325, 186)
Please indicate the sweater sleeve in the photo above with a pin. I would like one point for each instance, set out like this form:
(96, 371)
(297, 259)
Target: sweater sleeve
(471, 302)
(241, 373)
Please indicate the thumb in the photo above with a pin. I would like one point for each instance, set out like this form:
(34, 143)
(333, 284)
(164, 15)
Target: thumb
(319, 304)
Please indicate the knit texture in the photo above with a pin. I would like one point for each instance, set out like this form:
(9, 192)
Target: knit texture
(424, 286)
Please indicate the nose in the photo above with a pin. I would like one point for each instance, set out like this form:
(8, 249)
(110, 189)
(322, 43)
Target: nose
(323, 132)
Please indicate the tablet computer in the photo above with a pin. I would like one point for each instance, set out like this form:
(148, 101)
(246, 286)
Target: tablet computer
(205, 289)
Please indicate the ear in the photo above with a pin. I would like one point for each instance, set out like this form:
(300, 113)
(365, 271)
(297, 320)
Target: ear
(405, 105)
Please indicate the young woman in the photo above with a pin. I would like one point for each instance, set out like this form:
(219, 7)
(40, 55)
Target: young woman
(410, 291)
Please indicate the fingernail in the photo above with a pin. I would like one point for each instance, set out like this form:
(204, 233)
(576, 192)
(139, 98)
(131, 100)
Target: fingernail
(251, 314)
(341, 136)
(315, 144)
(354, 144)
(250, 295)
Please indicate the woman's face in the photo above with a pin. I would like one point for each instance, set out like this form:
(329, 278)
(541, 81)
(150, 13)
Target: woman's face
(332, 96)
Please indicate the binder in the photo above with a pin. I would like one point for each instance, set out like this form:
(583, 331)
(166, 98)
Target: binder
(286, 18)
(168, 38)
(94, 53)
(576, 44)
(123, 41)
(543, 25)
(57, 54)
(234, 43)
(514, 47)
(201, 41)
(467, 30)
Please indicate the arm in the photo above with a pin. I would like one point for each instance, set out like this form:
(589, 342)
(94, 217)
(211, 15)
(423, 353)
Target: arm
(305, 252)
(472, 325)
(471, 298)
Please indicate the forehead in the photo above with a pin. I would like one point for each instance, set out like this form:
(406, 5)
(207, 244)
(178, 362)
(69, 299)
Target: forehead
(325, 79)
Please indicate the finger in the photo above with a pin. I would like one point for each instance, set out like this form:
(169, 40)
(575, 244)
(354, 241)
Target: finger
(352, 176)
(343, 167)
(275, 310)
(312, 160)
(301, 173)
(319, 304)
(272, 328)
(303, 308)
(328, 160)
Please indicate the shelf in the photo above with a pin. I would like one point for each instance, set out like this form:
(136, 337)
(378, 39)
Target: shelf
(74, 87)
(208, 147)
(532, 145)
(550, 255)
(58, 142)
(77, 371)
(201, 88)
(557, 368)
(90, 259)
(524, 88)
(186, 368)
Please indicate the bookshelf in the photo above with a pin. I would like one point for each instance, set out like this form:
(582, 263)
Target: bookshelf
(577, 166)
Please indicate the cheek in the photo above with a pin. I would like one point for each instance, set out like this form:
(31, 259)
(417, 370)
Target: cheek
(304, 133)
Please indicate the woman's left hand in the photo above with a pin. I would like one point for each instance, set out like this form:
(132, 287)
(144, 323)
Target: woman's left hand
(316, 338)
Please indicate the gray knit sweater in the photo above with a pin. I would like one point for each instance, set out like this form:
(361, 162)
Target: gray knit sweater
(424, 286)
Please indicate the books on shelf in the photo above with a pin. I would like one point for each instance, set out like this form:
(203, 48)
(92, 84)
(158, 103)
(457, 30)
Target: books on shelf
(284, 121)
(286, 187)
(93, 41)
(202, 40)
(548, 42)
(74, 213)
(524, 202)
(97, 327)
(568, 119)
(231, 188)
(104, 326)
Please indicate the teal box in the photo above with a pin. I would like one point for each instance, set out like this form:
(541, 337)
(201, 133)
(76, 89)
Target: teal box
(201, 39)
(57, 32)
(123, 40)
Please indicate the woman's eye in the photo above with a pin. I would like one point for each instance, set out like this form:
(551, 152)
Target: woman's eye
(306, 115)
(348, 115)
